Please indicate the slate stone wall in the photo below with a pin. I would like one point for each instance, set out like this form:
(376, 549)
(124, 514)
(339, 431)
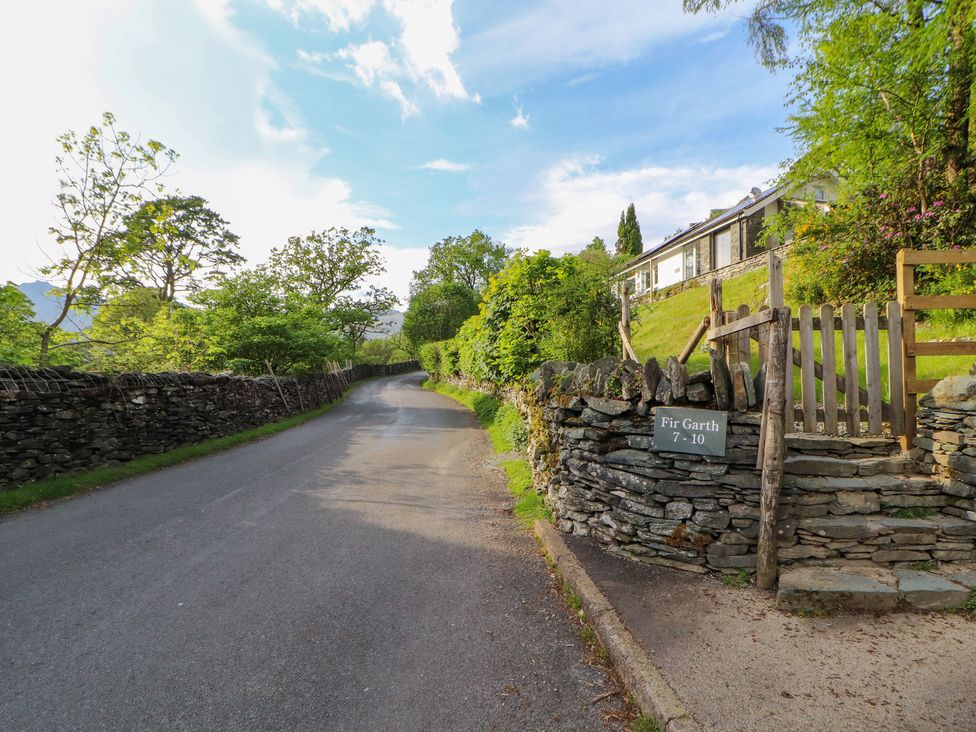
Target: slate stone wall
(946, 442)
(56, 421)
(844, 500)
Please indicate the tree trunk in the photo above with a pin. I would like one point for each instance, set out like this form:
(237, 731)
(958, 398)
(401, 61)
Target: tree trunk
(42, 359)
(960, 81)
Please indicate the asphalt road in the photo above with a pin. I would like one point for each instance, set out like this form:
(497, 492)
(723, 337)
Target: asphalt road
(359, 572)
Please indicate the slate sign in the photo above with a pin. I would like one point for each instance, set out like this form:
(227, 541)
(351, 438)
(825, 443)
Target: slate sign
(695, 431)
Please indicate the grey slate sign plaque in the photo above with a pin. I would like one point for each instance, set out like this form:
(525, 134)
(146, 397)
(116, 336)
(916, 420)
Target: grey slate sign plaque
(695, 431)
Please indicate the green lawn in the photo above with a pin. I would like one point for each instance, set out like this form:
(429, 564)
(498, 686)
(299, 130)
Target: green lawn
(661, 329)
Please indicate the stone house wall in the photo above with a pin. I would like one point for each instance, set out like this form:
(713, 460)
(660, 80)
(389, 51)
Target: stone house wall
(55, 421)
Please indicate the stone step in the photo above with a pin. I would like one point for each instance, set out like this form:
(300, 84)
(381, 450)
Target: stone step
(870, 590)
(826, 466)
(838, 445)
(871, 525)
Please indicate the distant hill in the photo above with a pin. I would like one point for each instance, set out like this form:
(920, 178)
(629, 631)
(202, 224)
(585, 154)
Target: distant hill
(390, 324)
(47, 308)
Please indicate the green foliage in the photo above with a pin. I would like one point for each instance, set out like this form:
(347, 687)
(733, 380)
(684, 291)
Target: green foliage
(104, 177)
(883, 99)
(462, 260)
(19, 334)
(382, 351)
(169, 242)
(630, 243)
(536, 309)
(436, 312)
(739, 579)
(646, 723)
(916, 512)
(282, 343)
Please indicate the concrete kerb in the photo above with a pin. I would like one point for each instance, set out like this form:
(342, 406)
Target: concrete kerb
(645, 682)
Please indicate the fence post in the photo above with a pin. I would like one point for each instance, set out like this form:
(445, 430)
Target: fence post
(625, 316)
(773, 450)
(828, 357)
(906, 288)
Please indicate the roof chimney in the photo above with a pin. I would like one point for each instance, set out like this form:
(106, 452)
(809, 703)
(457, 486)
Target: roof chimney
(755, 193)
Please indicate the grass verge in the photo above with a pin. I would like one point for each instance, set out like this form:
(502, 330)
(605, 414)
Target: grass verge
(67, 485)
(508, 434)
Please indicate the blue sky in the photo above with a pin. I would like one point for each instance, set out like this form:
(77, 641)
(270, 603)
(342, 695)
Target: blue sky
(535, 121)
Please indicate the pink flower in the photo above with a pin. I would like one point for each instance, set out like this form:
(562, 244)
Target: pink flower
(917, 217)
(823, 247)
(957, 246)
(936, 204)
(883, 196)
(910, 209)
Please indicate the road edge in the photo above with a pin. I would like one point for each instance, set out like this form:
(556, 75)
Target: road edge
(653, 694)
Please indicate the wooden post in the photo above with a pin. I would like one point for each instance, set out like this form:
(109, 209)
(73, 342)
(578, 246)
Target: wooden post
(896, 382)
(906, 288)
(694, 340)
(625, 317)
(848, 325)
(828, 357)
(808, 381)
(715, 304)
(773, 450)
(872, 366)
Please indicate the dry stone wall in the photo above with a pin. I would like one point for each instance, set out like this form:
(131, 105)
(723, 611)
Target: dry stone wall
(56, 421)
(844, 501)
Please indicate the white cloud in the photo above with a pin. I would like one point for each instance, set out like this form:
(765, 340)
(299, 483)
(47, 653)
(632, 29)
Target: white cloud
(541, 37)
(579, 200)
(426, 41)
(341, 14)
(714, 36)
(428, 38)
(446, 166)
(521, 120)
(401, 263)
(243, 144)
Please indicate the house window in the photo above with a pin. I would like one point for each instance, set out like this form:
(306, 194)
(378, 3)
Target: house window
(654, 274)
(819, 194)
(723, 248)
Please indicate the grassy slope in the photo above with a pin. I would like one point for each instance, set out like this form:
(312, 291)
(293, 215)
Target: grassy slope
(662, 329)
(503, 424)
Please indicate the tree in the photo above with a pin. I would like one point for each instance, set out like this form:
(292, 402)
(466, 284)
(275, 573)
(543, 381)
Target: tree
(467, 260)
(103, 178)
(629, 240)
(18, 332)
(437, 311)
(882, 97)
(118, 327)
(357, 316)
(171, 241)
(539, 308)
(323, 265)
(597, 245)
(281, 343)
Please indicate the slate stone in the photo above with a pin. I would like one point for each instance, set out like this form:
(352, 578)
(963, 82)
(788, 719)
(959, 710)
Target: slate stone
(742, 561)
(651, 376)
(612, 407)
(927, 591)
(698, 393)
(664, 395)
(712, 519)
(894, 555)
(860, 589)
(678, 376)
(821, 466)
(721, 380)
(678, 510)
(953, 392)
(844, 527)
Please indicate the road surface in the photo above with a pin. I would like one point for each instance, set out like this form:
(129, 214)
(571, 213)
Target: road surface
(359, 572)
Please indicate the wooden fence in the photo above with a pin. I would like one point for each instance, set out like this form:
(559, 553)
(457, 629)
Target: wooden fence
(909, 302)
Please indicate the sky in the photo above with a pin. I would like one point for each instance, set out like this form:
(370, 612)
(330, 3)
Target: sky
(537, 121)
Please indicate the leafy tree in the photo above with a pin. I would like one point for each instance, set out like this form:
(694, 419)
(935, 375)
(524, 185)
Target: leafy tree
(437, 311)
(118, 327)
(466, 260)
(104, 177)
(629, 240)
(357, 316)
(323, 265)
(385, 350)
(539, 308)
(883, 98)
(597, 245)
(281, 343)
(18, 332)
(171, 241)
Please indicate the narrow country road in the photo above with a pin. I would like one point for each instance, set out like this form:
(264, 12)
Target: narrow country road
(359, 572)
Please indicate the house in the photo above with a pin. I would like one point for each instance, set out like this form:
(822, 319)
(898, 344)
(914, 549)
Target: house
(723, 246)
